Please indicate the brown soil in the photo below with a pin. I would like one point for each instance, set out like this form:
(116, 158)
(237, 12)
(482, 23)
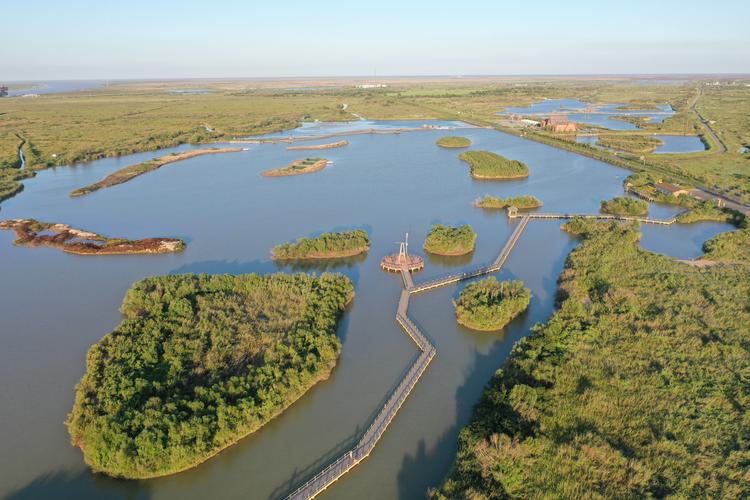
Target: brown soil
(330, 145)
(132, 171)
(290, 170)
(79, 242)
(701, 263)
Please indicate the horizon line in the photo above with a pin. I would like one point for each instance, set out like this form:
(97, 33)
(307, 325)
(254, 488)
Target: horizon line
(457, 76)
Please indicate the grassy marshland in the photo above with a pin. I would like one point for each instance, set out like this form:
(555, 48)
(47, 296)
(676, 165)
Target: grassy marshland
(487, 165)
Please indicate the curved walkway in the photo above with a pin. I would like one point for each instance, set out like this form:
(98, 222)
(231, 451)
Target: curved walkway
(374, 432)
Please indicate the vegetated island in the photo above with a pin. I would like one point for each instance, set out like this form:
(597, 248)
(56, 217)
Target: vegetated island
(524, 202)
(623, 205)
(487, 305)
(330, 145)
(487, 165)
(636, 144)
(198, 363)
(453, 141)
(324, 246)
(709, 210)
(449, 240)
(32, 233)
(630, 384)
(132, 171)
(298, 167)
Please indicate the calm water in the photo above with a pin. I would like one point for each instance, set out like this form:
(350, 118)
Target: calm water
(54, 306)
(55, 86)
(602, 116)
(670, 143)
(680, 144)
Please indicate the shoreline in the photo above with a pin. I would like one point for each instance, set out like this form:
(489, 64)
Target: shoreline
(330, 145)
(325, 375)
(498, 178)
(130, 172)
(289, 170)
(319, 256)
(79, 242)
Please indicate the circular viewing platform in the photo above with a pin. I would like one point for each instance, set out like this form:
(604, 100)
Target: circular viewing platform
(395, 263)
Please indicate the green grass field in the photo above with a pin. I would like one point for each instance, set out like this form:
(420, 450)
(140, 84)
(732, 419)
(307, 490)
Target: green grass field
(67, 128)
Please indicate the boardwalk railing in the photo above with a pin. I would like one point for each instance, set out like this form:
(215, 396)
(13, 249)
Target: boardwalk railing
(495, 266)
(644, 220)
(385, 416)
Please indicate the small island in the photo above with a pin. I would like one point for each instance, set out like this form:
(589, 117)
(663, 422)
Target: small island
(324, 246)
(33, 233)
(449, 240)
(487, 165)
(199, 362)
(487, 305)
(128, 173)
(636, 144)
(298, 167)
(453, 141)
(524, 202)
(330, 145)
(622, 205)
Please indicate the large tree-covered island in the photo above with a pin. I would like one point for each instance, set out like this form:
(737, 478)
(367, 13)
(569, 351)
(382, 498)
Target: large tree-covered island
(199, 362)
(489, 305)
(487, 165)
(449, 240)
(324, 246)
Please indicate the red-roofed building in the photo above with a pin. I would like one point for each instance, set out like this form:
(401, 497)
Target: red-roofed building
(559, 123)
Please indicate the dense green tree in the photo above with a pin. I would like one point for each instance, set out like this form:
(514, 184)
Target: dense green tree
(326, 245)
(623, 205)
(200, 361)
(449, 240)
(489, 305)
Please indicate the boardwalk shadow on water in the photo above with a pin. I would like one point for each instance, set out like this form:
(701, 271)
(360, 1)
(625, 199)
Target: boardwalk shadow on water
(301, 476)
(427, 468)
(80, 485)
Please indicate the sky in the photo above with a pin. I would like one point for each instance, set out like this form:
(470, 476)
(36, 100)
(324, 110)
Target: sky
(78, 39)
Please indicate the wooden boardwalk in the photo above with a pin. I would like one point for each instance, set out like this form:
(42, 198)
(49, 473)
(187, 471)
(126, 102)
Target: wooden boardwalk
(385, 416)
(495, 266)
(644, 220)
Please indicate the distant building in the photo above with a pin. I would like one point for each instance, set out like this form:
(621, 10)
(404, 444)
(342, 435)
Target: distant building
(670, 189)
(559, 123)
(3, 91)
(372, 86)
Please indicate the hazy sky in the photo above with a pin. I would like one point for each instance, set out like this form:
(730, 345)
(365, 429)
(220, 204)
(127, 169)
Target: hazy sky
(161, 38)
